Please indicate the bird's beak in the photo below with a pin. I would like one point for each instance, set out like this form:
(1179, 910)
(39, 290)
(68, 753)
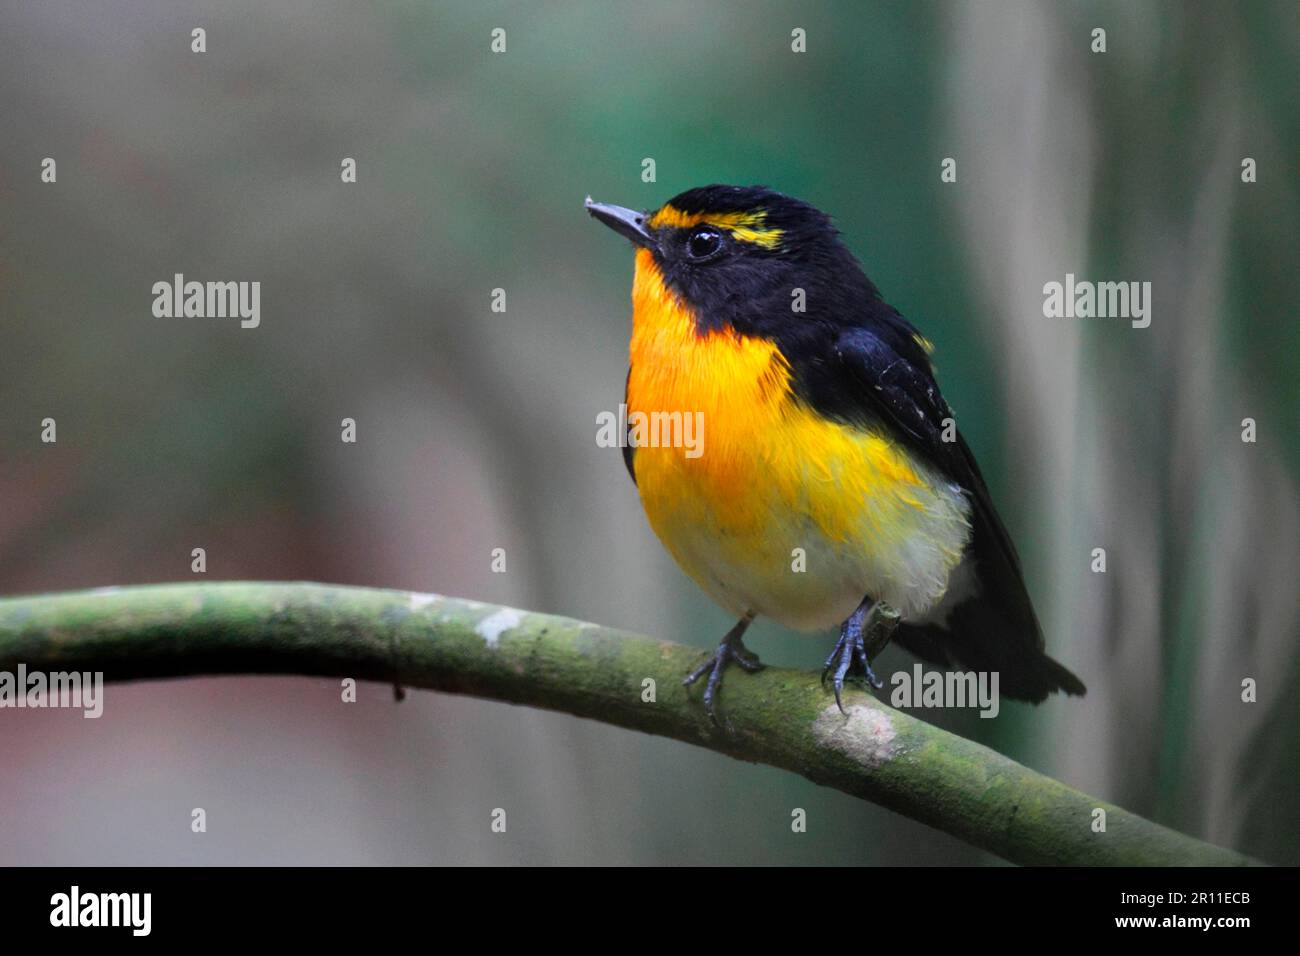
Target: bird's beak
(626, 222)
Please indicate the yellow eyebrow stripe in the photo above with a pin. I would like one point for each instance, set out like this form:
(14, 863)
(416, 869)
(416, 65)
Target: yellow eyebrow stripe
(743, 226)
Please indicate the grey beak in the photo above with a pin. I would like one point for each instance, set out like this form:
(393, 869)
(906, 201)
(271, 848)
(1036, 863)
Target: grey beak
(626, 222)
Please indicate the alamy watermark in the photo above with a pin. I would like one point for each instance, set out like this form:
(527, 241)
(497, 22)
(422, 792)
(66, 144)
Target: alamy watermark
(921, 688)
(651, 430)
(208, 300)
(77, 690)
(133, 911)
(1083, 299)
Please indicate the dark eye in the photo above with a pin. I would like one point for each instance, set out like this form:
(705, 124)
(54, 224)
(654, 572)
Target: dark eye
(703, 243)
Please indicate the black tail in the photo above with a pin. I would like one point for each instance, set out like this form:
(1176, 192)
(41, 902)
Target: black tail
(995, 628)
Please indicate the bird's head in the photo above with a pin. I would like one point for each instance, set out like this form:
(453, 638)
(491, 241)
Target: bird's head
(741, 256)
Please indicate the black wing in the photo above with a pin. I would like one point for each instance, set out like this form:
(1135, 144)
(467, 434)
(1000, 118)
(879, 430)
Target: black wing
(629, 453)
(881, 375)
(901, 390)
(882, 379)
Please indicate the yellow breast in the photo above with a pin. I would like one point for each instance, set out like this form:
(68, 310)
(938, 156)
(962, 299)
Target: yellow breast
(774, 485)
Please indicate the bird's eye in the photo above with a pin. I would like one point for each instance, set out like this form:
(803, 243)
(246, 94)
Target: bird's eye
(703, 243)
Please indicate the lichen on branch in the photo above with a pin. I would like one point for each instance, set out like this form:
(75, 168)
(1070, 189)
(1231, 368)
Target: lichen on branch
(780, 717)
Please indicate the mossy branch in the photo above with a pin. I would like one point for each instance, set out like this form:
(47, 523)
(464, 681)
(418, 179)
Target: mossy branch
(780, 717)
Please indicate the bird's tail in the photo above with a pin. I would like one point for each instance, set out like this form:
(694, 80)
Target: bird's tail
(994, 628)
(978, 637)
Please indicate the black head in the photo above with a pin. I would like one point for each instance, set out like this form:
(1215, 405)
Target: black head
(746, 257)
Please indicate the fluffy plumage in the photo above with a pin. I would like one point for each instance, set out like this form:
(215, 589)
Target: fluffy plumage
(824, 430)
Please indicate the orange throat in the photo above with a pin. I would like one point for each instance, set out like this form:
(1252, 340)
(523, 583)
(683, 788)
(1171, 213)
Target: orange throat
(725, 379)
(769, 477)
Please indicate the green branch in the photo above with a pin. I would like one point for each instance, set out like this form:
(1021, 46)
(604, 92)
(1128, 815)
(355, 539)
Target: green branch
(780, 717)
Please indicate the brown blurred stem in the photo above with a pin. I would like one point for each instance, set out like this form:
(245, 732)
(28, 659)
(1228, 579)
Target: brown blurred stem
(780, 717)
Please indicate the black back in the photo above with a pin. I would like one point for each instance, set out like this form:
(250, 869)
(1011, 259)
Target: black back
(856, 360)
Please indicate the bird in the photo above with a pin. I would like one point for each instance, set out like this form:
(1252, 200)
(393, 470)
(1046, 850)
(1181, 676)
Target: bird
(830, 486)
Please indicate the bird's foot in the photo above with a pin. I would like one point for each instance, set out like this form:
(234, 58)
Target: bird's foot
(851, 658)
(731, 650)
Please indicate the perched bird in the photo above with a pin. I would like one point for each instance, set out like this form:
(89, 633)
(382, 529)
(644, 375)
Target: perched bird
(823, 435)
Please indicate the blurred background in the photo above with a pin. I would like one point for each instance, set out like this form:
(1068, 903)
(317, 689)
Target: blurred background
(476, 430)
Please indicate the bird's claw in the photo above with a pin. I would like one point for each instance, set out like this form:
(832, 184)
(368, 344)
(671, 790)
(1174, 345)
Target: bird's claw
(850, 659)
(729, 651)
(850, 662)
